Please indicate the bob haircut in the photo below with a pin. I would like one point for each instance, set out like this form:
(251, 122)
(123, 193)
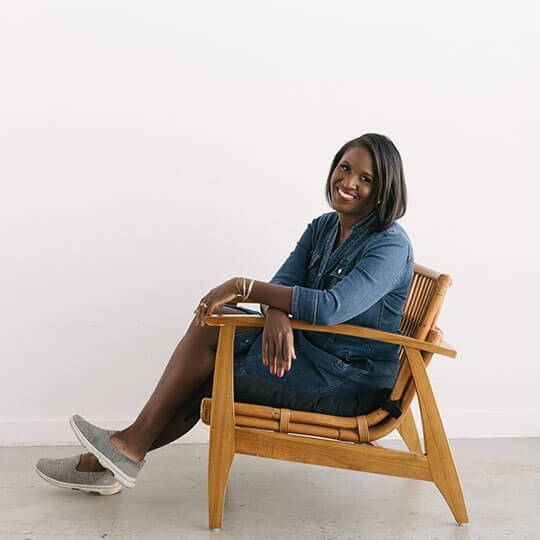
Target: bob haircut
(388, 177)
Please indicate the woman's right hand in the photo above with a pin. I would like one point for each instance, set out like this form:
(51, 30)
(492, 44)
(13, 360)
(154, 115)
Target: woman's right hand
(278, 342)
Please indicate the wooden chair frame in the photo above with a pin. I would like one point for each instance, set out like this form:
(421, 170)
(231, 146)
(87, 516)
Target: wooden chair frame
(297, 435)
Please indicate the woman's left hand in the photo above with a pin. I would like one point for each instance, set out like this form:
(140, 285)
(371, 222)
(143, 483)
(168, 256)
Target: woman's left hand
(218, 296)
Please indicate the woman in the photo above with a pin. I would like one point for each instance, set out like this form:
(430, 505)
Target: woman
(351, 265)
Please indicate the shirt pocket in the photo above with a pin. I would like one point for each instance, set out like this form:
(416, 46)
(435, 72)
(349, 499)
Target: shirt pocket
(341, 270)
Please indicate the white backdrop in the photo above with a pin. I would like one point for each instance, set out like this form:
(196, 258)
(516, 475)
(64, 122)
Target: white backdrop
(151, 150)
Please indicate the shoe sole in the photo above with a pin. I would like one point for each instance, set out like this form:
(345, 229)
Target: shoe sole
(121, 476)
(103, 490)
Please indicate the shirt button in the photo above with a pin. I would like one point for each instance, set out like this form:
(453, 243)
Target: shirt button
(340, 270)
(246, 340)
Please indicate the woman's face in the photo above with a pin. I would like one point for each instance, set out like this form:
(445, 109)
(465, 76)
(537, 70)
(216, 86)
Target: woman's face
(352, 184)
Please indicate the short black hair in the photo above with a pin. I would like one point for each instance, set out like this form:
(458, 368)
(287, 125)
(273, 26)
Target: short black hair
(388, 176)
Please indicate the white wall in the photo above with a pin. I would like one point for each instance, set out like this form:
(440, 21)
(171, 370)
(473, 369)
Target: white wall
(151, 150)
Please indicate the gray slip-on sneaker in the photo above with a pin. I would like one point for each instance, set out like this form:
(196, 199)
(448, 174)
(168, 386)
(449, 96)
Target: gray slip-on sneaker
(63, 473)
(98, 441)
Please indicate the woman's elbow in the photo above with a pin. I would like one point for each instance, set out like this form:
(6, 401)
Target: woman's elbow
(328, 312)
(327, 318)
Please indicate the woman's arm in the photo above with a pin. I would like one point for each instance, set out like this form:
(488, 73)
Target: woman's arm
(277, 296)
(277, 293)
(278, 342)
(272, 295)
(374, 275)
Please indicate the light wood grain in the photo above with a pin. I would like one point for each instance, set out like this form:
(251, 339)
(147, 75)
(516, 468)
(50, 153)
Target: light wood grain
(221, 447)
(357, 457)
(409, 433)
(438, 450)
(257, 321)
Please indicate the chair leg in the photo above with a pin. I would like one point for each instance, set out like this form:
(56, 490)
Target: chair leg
(439, 454)
(222, 444)
(219, 466)
(409, 433)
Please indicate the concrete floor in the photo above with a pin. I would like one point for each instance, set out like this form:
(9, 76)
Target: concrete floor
(278, 500)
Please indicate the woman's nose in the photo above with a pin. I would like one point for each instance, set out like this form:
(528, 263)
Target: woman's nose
(351, 181)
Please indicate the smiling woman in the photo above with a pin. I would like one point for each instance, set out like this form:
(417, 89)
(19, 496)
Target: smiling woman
(352, 184)
(351, 265)
(373, 158)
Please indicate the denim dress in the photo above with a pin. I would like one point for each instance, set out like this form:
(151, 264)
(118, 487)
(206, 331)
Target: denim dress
(363, 282)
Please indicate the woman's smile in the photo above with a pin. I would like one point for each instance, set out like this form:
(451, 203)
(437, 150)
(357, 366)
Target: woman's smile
(344, 195)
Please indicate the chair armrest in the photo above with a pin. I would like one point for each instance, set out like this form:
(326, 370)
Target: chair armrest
(257, 321)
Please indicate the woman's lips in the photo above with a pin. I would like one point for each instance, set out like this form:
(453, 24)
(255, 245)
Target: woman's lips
(344, 196)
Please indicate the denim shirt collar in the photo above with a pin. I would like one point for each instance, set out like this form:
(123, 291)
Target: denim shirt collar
(365, 223)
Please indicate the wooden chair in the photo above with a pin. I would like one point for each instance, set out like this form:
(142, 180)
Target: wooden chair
(344, 442)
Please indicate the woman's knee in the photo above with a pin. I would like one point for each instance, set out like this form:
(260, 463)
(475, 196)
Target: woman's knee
(208, 335)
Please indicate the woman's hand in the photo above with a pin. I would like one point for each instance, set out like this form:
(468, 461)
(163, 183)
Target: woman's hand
(218, 296)
(278, 342)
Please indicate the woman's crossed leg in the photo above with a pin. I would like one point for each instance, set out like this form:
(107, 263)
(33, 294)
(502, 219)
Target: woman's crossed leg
(173, 408)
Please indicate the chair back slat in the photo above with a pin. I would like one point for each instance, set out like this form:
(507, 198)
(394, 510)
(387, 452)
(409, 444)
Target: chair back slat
(424, 302)
(420, 313)
(418, 319)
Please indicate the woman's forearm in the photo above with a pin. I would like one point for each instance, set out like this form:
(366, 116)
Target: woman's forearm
(277, 296)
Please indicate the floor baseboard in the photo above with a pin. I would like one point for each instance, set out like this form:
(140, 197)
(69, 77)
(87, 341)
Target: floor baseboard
(58, 433)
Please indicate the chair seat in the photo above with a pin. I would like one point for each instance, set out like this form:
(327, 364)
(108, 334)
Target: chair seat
(261, 391)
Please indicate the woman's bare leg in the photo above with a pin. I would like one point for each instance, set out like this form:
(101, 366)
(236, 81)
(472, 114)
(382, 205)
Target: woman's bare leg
(183, 420)
(172, 409)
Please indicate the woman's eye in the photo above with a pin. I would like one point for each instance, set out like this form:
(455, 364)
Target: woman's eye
(344, 167)
(366, 179)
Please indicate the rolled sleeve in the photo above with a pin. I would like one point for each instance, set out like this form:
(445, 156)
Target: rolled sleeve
(373, 276)
(304, 304)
